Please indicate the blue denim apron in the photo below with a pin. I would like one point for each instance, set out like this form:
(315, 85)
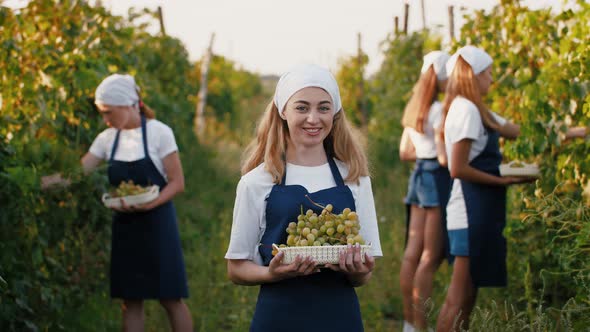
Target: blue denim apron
(146, 257)
(486, 217)
(442, 180)
(324, 301)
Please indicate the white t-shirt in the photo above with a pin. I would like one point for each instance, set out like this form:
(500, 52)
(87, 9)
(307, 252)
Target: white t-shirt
(160, 139)
(424, 143)
(249, 219)
(463, 122)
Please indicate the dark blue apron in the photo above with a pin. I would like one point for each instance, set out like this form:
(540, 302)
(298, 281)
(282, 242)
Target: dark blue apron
(324, 301)
(486, 217)
(146, 257)
(442, 179)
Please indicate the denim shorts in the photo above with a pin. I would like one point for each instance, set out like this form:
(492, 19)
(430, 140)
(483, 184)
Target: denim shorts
(422, 185)
(459, 242)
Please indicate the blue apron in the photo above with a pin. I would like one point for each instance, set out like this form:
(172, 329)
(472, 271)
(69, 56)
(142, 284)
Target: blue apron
(486, 217)
(324, 301)
(442, 179)
(146, 257)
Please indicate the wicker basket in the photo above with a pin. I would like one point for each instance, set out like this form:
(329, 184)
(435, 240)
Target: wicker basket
(527, 170)
(320, 254)
(115, 202)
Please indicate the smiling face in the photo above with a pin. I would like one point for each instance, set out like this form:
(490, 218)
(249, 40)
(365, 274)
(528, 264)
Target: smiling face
(484, 80)
(309, 114)
(115, 116)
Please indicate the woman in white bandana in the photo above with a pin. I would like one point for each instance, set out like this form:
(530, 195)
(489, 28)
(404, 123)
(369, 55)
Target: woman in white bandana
(428, 190)
(476, 211)
(304, 147)
(146, 256)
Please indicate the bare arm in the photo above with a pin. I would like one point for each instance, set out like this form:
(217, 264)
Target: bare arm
(175, 185)
(407, 151)
(509, 130)
(247, 273)
(89, 162)
(441, 153)
(461, 169)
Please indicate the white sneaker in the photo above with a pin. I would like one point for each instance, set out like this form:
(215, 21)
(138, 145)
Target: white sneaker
(408, 327)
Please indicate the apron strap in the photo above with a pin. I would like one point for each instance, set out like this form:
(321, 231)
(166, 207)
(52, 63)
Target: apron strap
(144, 136)
(115, 145)
(335, 172)
(282, 184)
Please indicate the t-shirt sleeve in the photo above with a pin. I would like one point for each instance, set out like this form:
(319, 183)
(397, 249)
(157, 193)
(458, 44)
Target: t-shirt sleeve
(99, 147)
(245, 231)
(166, 141)
(365, 208)
(464, 121)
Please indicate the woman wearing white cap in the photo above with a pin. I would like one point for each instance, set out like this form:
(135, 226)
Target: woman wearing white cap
(476, 211)
(146, 256)
(428, 190)
(304, 147)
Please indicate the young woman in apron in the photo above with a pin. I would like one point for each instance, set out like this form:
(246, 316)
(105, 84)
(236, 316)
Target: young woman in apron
(476, 211)
(304, 148)
(428, 190)
(146, 256)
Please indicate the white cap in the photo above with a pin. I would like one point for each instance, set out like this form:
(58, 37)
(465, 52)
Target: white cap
(477, 58)
(438, 60)
(304, 76)
(117, 90)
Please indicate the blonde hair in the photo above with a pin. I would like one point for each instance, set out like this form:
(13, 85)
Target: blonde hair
(424, 93)
(272, 135)
(463, 82)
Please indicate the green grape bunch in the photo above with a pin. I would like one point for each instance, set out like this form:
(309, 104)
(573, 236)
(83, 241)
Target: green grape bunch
(128, 188)
(326, 229)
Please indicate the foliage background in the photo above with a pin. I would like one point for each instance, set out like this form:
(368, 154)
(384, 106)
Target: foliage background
(55, 245)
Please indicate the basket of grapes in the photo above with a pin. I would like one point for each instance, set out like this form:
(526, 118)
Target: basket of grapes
(322, 237)
(520, 169)
(131, 194)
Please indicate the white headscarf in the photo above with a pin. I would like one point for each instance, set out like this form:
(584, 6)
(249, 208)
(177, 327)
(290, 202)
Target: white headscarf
(117, 90)
(304, 76)
(477, 58)
(438, 60)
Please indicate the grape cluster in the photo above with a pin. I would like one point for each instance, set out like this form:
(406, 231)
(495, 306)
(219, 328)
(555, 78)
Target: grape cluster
(128, 188)
(324, 230)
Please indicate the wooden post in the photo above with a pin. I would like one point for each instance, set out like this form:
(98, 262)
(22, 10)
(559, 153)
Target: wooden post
(361, 89)
(396, 25)
(202, 96)
(406, 14)
(423, 15)
(161, 19)
(451, 23)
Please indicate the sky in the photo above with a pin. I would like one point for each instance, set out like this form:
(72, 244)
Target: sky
(269, 36)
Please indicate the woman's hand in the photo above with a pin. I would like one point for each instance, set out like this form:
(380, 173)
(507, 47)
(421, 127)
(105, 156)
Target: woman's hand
(576, 132)
(299, 267)
(407, 150)
(508, 180)
(53, 180)
(135, 208)
(351, 263)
